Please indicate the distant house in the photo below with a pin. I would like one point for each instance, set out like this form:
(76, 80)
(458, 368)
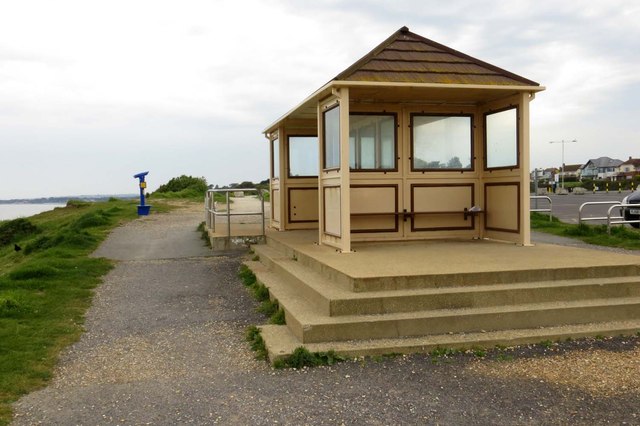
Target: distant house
(543, 175)
(571, 170)
(600, 168)
(628, 169)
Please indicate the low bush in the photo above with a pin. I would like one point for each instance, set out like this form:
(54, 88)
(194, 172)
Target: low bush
(301, 357)
(13, 230)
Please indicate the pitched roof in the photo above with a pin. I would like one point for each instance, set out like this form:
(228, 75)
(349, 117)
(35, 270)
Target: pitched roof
(407, 67)
(635, 162)
(409, 58)
(572, 167)
(604, 162)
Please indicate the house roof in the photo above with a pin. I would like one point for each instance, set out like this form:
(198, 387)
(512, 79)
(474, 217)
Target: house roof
(603, 162)
(409, 57)
(572, 167)
(635, 162)
(407, 67)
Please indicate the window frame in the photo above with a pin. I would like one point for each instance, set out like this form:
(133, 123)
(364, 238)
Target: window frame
(289, 175)
(324, 139)
(484, 129)
(395, 141)
(272, 151)
(442, 114)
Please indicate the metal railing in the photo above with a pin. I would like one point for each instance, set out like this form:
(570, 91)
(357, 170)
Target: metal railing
(212, 212)
(619, 220)
(540, 210)
(611, 220)
(595, 203)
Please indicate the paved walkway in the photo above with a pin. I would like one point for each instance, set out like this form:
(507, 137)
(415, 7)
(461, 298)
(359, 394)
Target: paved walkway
(164, 345)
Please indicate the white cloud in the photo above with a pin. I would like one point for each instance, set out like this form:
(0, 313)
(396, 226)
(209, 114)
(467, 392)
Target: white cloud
(186, 87)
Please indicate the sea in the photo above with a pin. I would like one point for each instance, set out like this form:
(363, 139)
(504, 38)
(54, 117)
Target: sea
(14, 211)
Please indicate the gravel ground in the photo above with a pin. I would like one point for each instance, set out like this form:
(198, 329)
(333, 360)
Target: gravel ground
(165, 345)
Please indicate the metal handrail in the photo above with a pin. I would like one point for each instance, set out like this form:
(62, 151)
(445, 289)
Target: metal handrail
(612, 220)
(595, 203)
(536, 209)
(211, 211)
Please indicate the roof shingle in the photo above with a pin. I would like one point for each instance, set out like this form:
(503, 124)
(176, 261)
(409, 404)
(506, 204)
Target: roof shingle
(408, 57)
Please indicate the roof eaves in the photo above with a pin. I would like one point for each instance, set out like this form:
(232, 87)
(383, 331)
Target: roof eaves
(349, 83)
(314, 96)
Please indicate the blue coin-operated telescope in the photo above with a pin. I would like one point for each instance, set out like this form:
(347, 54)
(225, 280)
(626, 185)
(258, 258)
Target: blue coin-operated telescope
(143, 210)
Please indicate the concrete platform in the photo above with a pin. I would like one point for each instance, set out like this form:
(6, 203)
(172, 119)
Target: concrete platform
(414, 296)
(415, 258)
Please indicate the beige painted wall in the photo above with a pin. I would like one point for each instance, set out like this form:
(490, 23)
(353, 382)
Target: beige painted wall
(443, 194)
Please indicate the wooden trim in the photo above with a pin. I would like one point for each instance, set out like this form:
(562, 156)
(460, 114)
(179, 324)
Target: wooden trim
(288, 157)
(443, 228)
(272, 156)
(324, 137)
(324, 209)
(289, 204)
(395, 141)
(393, 213)
(272, 209)
(484, 129)
(486, 205)
(443, 114)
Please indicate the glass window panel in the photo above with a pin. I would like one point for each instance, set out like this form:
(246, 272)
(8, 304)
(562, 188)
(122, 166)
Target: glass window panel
(502, 139)
(352, 150)
(332, 138)
(275, 158)
(388, 154)
(372, 142)
(303, 156)
(441, 142)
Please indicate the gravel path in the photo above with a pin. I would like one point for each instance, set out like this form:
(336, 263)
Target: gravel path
(164, 346)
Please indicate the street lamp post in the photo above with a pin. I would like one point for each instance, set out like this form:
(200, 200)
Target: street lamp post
(562, 173)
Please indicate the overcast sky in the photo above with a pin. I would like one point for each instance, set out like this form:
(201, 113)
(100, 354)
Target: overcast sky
(92, 92)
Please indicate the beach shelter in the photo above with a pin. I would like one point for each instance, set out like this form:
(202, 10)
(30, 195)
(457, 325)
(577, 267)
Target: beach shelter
(414, 141)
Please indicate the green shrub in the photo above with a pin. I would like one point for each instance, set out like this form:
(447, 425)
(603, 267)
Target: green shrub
(13, 230)
(91, 220)
(184, 183)
(77, 204)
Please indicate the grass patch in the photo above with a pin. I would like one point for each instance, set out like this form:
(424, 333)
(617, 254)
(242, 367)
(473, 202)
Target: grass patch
(254, 337)
(46, 288)
(278, 317)
(260, 292)
(301, 357)
(12, 231)
(621, 237)
(204, 233)
(268, 307)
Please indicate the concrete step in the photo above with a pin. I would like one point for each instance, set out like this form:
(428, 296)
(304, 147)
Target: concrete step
(281, 250)
(426, 281)
(310, 327)
(281, 342)
(307, 318)
(334, 300)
